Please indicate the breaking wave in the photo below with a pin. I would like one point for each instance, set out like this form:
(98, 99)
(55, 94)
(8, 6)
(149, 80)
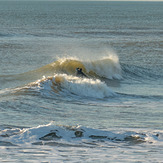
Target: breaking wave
(60, 77)
(52, 134)
(107, 67)
(68, 84)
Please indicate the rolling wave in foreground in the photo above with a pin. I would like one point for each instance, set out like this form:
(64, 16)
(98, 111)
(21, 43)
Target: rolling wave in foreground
(53, 135)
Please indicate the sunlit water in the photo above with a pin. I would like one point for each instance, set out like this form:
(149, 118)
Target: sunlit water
(48, 114)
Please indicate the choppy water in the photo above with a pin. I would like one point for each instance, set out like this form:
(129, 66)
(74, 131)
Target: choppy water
(47, 114)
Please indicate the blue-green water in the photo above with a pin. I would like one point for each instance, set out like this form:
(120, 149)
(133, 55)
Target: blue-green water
(48, 114)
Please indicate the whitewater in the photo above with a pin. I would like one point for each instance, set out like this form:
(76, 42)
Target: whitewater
(48, 114)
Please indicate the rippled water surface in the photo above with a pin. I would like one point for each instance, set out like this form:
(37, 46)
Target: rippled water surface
(48, 114)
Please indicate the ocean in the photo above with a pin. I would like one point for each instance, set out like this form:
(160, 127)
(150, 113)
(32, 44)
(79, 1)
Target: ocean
(48, 114)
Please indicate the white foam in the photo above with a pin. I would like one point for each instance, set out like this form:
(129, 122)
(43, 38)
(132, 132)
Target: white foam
(76, 134)
(84, 86)
(67, 84)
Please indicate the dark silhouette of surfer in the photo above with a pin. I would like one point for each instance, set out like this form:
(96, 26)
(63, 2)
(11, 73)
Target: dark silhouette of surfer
(80, 73)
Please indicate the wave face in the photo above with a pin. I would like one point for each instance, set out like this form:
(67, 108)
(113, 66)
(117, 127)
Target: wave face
(107, 67)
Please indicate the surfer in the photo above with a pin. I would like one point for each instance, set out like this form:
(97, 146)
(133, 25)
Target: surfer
(80, 73)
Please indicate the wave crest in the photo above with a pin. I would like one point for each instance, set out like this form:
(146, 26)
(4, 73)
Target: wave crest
(108, 67)
(73, 85)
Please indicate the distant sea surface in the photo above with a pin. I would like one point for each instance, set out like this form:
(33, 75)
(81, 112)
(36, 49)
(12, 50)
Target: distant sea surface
(48, 114)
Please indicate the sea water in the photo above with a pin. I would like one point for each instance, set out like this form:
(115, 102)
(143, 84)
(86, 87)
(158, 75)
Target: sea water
(48, 114)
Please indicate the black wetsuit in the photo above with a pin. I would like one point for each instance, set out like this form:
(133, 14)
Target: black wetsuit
(79, 73)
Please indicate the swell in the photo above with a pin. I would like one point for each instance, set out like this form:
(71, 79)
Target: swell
(139, 96)
(139, 73)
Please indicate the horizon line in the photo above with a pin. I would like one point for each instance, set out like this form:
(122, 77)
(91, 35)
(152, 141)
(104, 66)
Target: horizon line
(92, 0)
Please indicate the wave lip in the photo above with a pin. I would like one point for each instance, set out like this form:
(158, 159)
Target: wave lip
(107, 67)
